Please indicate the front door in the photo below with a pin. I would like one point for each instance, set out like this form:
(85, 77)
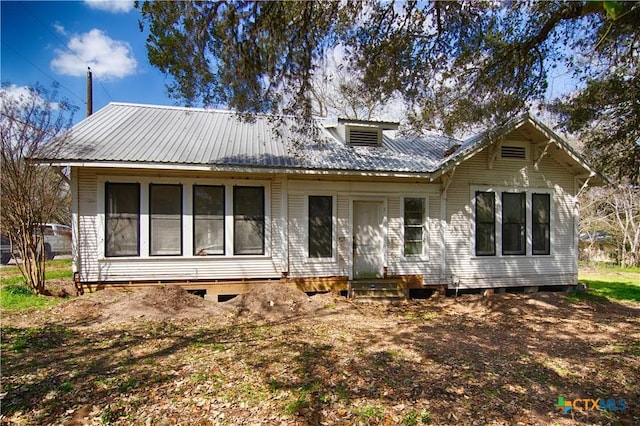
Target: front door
(368, 239)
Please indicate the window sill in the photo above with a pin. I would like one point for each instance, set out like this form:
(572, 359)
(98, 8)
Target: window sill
(185, 258)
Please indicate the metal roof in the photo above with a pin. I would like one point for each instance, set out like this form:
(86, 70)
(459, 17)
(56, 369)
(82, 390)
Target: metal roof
(163, 136)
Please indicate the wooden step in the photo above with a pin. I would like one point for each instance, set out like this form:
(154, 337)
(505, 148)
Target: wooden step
(376, 291)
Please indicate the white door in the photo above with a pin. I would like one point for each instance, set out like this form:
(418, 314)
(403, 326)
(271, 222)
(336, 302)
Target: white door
(368, 239)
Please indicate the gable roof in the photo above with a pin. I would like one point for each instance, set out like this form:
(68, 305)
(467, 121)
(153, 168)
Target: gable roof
(131, 135)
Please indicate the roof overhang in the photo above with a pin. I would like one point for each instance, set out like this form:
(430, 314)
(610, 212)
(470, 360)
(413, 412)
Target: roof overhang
(554, 145)
(235, 169)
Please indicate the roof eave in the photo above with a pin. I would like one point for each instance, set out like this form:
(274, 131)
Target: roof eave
(235, 168)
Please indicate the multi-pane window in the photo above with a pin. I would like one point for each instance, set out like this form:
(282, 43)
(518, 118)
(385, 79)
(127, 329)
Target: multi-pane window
(122, 219)
(541, 223)
(165, 220)
(513, 223)
(485, 224)
(320, 226)
(512, 213)
(248, 220)
(208, 220)
(414, 215)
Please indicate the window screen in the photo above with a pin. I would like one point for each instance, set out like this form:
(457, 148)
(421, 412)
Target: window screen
(541, 223)
(320, 226)
(513, 223)
(165, 220)
(414, 226)
(248, 220)
(485, 224)
(122, 219)
(208, 220)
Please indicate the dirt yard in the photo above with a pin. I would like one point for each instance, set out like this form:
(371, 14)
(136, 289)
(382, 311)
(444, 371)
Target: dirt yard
(278, 357)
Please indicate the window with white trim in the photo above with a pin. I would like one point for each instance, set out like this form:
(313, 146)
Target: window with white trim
(208, 219)
(541, 223)
(320, 213)
(122, 219)
(514, 233)
(485, 224)
(165, 220)
(414, 227)
(248, 220)
(505, 219)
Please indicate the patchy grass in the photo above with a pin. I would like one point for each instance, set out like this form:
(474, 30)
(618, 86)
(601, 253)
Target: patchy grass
(16, 296)
(611, 282)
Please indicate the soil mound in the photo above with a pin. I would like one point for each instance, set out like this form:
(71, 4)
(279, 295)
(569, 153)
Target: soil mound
(273, 301)
(161, 303)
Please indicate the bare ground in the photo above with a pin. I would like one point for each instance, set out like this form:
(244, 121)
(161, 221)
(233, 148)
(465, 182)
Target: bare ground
(277, 356)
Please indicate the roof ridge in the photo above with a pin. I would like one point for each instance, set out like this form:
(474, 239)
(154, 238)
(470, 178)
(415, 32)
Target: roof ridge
(205, 109)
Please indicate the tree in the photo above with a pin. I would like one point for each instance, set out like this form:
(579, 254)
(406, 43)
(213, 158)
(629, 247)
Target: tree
(614, 209)
(455, 64)
(31, 194)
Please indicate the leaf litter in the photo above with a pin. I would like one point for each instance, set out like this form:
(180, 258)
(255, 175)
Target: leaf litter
(275, 356)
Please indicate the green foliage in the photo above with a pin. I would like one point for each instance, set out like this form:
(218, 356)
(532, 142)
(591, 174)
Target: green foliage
(455, 62)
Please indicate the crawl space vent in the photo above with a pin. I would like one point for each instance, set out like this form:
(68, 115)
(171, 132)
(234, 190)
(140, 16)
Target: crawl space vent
(514, 152)
(364, 137)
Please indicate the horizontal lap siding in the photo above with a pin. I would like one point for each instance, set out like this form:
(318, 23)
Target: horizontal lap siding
(345, 193)
(93, 269)
(500, 271)
(87, 242)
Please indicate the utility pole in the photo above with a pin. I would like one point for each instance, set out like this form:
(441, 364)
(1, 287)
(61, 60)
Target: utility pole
(89, 92)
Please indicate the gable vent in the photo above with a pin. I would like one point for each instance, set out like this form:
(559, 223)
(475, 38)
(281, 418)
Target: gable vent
(514, 152)
(364, 137)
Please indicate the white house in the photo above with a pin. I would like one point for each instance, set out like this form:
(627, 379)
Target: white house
(219, 201)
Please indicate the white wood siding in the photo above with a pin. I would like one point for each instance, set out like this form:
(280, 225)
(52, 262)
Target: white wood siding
(345, 193)
(472, 271)
(96, 268)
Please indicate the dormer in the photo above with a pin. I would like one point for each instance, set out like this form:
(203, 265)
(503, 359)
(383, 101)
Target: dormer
(363, 132)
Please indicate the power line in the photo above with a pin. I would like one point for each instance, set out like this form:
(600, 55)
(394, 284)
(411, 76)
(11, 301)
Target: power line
(42, 71)
(64, 44)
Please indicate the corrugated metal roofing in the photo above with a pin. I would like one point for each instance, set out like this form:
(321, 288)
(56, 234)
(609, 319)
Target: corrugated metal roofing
(161, 135)
(187, 136)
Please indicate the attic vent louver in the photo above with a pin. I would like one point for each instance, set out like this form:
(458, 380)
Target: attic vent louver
(364, 137)
(514, 152)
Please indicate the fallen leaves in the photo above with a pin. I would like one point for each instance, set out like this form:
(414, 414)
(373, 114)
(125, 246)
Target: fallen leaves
(502, 359)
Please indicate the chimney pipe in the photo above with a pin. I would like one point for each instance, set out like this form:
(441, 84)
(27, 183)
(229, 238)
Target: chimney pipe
(89, 92)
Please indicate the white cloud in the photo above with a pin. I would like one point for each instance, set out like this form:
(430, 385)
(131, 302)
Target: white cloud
(113, 6)
(107, 58)
(12, 96)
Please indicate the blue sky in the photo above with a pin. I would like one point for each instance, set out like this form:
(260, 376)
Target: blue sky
(49, 41)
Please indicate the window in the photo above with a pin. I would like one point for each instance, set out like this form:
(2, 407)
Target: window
(485, 224)
(208, 220)
(165, 220)
(248, 220)
(320, 226)
(541, 223)
(513, 223)
(122, 219)
(414, 212)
